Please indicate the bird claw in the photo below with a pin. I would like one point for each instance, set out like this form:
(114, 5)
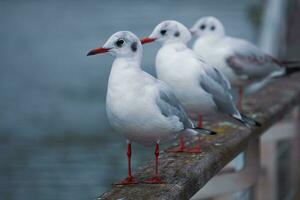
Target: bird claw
(175, 150)
(127, 181)
(154, 180)
(196, 149)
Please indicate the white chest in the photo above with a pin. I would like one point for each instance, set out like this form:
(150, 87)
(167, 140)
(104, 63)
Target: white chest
(181, 71)
(125, 94)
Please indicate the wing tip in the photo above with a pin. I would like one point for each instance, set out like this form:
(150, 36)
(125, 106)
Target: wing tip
(208, 132)
(249, 121)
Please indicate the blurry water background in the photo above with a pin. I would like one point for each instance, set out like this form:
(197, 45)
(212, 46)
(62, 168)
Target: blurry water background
(55, 140)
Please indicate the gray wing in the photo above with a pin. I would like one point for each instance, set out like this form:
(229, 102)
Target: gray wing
(169, 105)
(217, 76)
(252, 66)
(214, 73)
(247, 59)
(214, 83)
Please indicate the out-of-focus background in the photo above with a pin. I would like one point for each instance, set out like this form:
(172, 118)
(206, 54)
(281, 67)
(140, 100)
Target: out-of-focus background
(55, 140)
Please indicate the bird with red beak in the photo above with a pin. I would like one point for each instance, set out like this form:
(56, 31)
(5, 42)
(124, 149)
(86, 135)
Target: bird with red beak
(202, 89)
(243, 63)
(140, 107)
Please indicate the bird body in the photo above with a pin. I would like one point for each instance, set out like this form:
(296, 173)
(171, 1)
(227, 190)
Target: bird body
(200, 87)
(203, 47)
(182, 75)
(132, 108)
(237, 58)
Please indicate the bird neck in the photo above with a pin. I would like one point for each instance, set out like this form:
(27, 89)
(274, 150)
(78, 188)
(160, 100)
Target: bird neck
(174, 45)
(209, 39)
(134, 60)
(126, 63)
(212, 37)
(124, 72)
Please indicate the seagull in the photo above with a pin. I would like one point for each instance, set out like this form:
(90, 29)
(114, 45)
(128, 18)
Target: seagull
(201, 88)
(139, 106)
(236, 58)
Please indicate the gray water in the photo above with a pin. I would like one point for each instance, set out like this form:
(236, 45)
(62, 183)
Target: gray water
(55, 141)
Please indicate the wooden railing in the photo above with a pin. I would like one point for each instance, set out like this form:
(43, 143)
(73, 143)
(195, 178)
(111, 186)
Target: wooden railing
(186, 174)
(202, 176)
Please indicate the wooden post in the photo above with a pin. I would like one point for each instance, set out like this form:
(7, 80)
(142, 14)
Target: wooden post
(239, 182)
(295, 158)
(282, 131)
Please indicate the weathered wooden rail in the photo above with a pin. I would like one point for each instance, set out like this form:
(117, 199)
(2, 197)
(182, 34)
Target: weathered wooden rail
(185, 174)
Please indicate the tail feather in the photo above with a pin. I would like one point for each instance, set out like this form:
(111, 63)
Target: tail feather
(251, 121)
(290, 62)
(291, 70)
(247, 121)
(202, 131)
(290, 66)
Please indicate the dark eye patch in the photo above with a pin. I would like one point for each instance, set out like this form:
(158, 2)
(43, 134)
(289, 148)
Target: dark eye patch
(119, 42)
(212, 28)
(134, 46)
(163, 32)
(202, 27)
(177, 34)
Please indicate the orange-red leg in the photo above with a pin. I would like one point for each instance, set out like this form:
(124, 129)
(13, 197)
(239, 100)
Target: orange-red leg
(200, 121)
(180, 148)
(197, 148)
(156, 179)
(240, 98)
(129, 180)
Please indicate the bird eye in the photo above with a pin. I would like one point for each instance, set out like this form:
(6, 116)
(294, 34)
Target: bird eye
(202, 27)
(120, 43)
(177, 34)
(163, 32)
(212, 28)
(134, 46)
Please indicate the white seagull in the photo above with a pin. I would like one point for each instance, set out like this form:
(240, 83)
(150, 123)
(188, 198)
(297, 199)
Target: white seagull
(202, 89)
(139, 106)
(238, 59)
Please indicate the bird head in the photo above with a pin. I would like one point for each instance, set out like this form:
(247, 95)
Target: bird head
(208, 26)
(169, 31)
(120, 44)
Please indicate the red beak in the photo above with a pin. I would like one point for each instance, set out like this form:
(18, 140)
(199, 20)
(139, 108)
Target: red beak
(98, 51)
(147, 40)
